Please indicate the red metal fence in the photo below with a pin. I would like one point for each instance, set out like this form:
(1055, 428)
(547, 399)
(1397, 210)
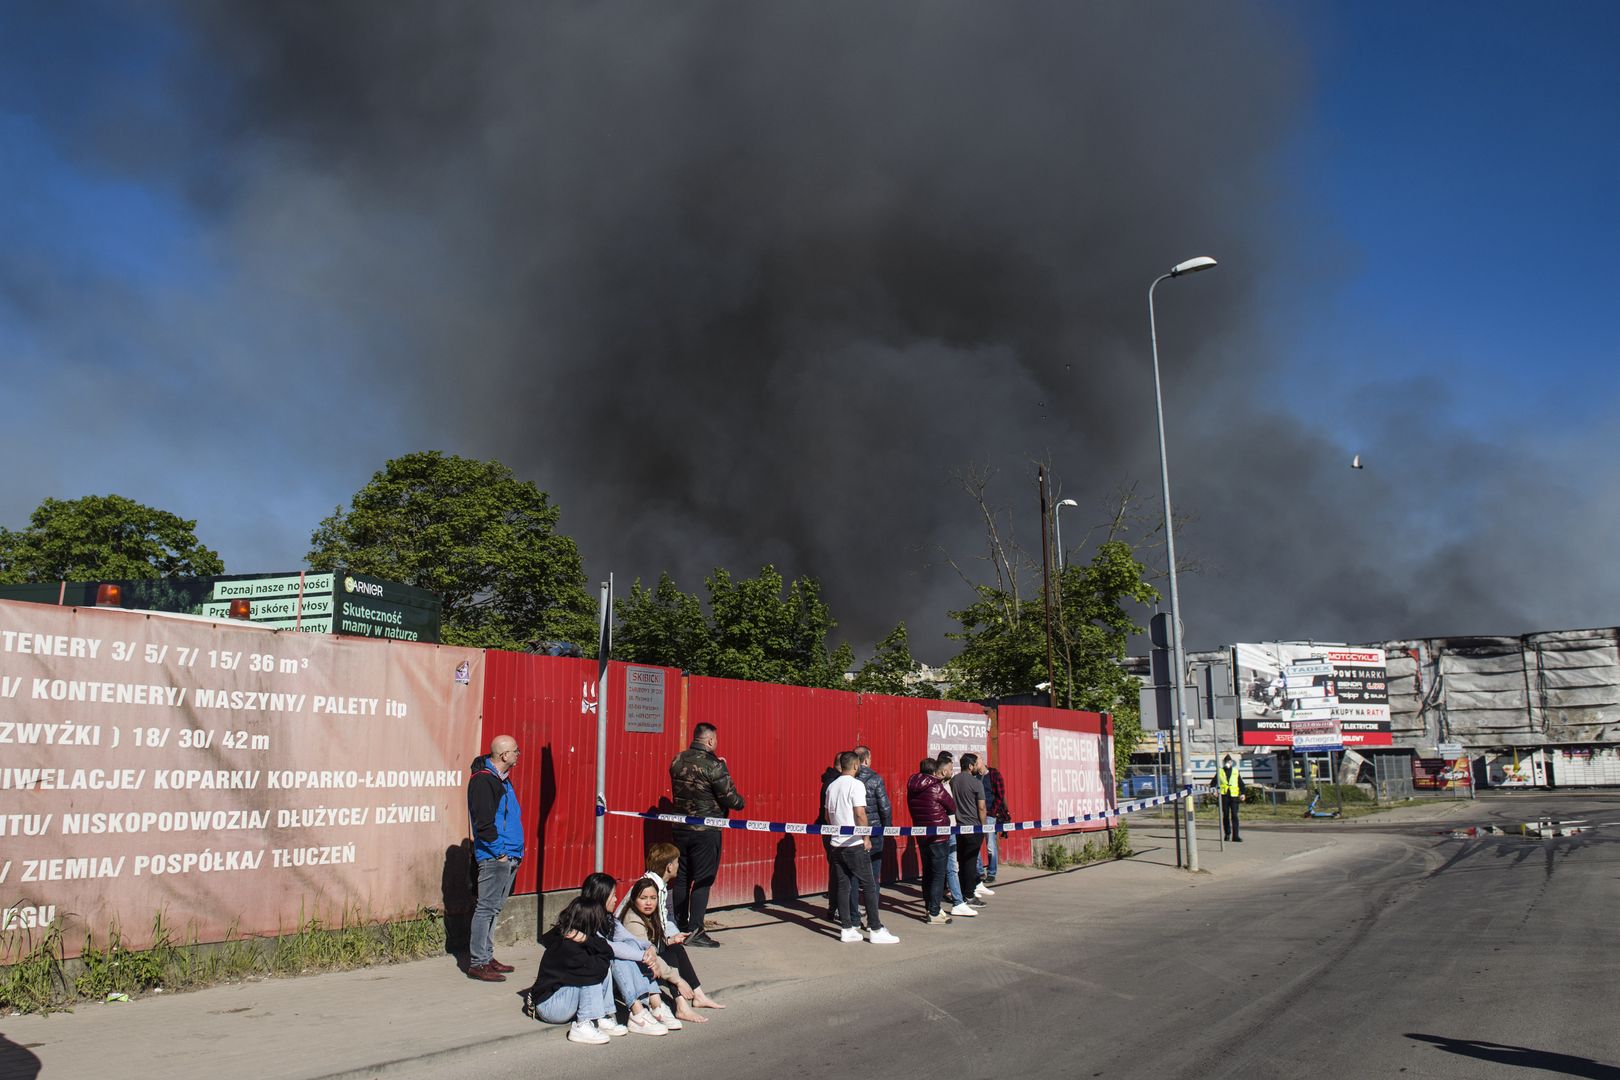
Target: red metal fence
(777, 741)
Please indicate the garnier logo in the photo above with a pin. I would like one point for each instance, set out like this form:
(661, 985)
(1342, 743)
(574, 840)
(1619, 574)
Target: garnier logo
(365, 588)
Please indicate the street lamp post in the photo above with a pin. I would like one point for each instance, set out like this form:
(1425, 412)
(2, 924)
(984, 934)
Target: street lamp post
(1178, 671)
(1057, 521)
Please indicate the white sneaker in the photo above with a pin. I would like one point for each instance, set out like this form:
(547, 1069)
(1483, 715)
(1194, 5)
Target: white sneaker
(849, 934)
(881, 936)
(980, 890)
(662, 1014)
(609, 1026)
(642, 1023)
(963, 909)
(584, 1031)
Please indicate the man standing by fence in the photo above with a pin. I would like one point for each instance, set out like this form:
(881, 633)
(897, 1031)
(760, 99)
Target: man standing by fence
(995, 818)
(497, 829)
(879, 811)
(931, 804)
(968, 791)
(846, 805)
(702, 787)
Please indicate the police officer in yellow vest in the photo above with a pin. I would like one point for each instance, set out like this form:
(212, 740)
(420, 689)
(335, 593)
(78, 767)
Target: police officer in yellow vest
(1230, 785)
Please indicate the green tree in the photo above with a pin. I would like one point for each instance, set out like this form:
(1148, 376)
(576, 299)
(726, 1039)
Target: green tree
(662, 625)
(1094, 633)
(892, 669)
(103, 537)
(760, 634)
(1003, 632)
(472, 532)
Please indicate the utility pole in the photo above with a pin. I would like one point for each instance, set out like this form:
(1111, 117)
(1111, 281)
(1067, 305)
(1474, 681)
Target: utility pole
(1046, 589)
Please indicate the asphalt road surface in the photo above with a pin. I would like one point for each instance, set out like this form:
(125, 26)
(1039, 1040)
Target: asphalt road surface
(1380, 950)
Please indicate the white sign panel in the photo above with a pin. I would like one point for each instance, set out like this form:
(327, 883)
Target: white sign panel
(1071, 773)
(959, 732)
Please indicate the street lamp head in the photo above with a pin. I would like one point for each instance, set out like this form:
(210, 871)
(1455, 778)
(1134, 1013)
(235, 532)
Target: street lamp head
(1068, 502)
(1192, 266)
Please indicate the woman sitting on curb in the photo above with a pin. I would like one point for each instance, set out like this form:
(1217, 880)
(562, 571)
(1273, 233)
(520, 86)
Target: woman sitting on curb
(575, 981)
(635, 966)
(663, 860)
(642, 923)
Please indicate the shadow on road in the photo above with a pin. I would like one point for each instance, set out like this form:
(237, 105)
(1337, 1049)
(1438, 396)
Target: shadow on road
(1523, 1057)
(17, 1062)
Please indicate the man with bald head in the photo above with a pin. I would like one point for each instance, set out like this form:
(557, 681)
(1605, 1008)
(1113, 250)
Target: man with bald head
(497, 829)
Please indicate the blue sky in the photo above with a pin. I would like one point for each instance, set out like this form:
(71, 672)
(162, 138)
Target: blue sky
(1468, 153)
(1450, 169)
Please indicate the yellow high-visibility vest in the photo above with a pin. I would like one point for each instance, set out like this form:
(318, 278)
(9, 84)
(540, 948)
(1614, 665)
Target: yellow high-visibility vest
(1229, 780)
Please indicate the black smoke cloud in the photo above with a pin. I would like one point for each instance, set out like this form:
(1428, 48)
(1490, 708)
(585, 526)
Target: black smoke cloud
(745, 282)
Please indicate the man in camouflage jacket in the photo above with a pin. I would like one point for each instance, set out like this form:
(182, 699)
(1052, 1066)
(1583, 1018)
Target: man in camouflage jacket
(702, 787)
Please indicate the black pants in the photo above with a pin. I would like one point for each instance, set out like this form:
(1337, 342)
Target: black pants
(854, 868)
(700, 863)
(1229, 816)
(967, 862)
(934, 854)
(676, 954)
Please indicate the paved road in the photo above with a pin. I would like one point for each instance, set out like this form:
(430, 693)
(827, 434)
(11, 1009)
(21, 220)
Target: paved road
(1356, 950)
(1379, 947)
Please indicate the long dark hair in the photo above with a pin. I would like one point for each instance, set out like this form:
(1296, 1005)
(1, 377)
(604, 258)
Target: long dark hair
(588, 912)
(655, 921)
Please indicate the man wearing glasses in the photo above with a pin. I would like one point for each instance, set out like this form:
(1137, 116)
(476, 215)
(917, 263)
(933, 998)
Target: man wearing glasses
(497, 828)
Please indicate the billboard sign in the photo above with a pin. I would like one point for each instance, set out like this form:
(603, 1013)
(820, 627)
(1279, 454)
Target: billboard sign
(1280, 682)
(1316, 736)
(1071, 772)
(228, 777)
(959, 732)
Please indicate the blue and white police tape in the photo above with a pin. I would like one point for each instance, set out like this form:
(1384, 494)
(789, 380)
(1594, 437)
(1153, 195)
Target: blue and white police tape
(796, 828)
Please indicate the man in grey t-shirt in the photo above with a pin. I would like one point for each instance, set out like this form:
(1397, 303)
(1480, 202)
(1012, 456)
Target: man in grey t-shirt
(968, 791)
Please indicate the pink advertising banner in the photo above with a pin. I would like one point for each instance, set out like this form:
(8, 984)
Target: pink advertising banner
(229, 778)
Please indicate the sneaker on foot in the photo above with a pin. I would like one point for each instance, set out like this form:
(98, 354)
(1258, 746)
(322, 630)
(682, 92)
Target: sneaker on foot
(938, 919)
(981, 890)
(662, 1014)
(963, 909)
(584, 1031)
(881, 936)
(849, 933)
(642, 1023)
(609, 1026)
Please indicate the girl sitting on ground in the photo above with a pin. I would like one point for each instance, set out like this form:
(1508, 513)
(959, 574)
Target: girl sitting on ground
(663, 860)
(641, 921)
(575, 982)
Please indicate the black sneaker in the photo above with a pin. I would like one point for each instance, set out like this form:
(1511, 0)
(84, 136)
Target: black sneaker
(701, 940)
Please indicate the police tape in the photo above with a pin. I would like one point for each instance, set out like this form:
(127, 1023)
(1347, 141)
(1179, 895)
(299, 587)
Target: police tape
(797, 828)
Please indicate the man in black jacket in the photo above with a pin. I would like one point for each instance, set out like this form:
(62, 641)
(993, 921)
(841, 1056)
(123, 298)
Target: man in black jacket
(879, 811)
(702, 787)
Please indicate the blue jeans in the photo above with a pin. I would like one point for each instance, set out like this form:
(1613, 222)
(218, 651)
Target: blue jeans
(990, 859)
(494, 885)
(632, 980)
(578, 1002)
(953, 882)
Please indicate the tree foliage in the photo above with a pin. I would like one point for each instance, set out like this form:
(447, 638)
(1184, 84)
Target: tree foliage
(103, 537)
(893, 670)
(663, 626)
(760, 628)
(472, 532)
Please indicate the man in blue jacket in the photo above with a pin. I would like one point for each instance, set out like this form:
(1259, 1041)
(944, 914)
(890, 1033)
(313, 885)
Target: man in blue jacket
(497, 829)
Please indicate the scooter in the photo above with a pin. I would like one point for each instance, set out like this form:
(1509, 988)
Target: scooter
(1312, 811)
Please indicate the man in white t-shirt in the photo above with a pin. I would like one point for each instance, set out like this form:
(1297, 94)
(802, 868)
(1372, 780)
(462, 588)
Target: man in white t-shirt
(851, 865)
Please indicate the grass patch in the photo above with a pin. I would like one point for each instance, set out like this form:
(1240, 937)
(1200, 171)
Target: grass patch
(37, 978)
(1061, 857)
